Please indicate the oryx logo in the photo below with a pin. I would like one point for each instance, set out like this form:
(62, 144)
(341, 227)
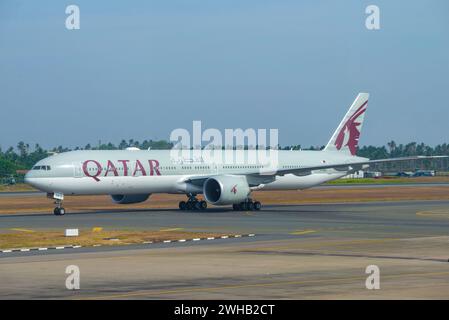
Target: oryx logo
(234, 189)
(349, 135)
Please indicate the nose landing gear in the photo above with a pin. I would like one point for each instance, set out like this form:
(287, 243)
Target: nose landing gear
(58, 197)
(192, 203)
(59, 211)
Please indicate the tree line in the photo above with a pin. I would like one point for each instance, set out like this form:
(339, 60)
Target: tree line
(24, 156)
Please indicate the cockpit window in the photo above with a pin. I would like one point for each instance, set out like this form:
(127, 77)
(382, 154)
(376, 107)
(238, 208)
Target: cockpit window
(41, 168)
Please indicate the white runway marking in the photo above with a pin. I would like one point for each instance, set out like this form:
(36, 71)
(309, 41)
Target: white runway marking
(99, 245)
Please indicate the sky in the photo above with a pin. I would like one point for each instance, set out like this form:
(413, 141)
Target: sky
(140, 69)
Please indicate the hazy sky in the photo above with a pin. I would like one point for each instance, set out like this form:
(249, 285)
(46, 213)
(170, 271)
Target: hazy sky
(139, 69)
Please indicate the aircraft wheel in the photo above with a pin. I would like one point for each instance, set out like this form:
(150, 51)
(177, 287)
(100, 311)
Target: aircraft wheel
(59, 211)
(182, 205)
(250, 206)
(189, 205)
(203, 205)
(257, 205)
(197, 205)
(236, 207)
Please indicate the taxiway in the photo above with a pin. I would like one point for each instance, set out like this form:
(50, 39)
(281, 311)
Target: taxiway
(299, 251)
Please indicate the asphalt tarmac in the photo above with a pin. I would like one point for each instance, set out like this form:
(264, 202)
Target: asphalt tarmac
(298, 252)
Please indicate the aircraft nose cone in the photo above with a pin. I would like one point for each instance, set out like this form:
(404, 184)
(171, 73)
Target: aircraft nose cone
(27, 178)
(30, 178)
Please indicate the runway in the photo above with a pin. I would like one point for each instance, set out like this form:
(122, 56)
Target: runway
(299, 251)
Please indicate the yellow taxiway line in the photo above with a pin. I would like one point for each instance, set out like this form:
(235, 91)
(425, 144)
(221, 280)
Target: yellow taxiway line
(21, 230)
(301, 232)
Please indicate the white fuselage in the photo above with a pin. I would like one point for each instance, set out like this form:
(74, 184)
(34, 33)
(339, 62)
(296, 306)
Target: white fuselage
(158, 171)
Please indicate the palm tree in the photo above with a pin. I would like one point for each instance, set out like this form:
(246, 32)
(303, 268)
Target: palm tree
(391, 146)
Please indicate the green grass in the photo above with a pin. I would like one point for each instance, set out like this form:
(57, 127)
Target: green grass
(16, 188)
(23, 238)
(372, 181)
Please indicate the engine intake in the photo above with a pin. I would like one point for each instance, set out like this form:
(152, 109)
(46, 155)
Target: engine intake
(227, 189)
(129, 198)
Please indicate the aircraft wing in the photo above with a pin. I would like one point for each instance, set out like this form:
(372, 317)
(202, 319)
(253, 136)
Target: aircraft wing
(256, 178)
(349, 166)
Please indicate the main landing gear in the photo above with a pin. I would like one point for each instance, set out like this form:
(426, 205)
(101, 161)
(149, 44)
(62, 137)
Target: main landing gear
(192, 203)
(247, 205)
(58, 197)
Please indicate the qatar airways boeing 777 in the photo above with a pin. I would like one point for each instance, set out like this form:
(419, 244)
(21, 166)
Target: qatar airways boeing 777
(131, 176)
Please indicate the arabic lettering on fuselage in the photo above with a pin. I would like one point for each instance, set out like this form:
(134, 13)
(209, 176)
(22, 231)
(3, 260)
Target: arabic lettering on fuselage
(184, 160)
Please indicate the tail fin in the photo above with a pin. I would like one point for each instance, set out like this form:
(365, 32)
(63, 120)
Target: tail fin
(346, 137)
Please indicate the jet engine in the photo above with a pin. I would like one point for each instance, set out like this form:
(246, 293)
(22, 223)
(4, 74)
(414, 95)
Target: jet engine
(226, 189)
(129, 198)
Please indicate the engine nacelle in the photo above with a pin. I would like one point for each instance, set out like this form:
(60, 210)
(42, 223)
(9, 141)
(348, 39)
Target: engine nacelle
(129, 198)
(226, 189)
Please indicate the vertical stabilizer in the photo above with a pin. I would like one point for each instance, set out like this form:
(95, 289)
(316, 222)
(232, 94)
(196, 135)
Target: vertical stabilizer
(346, 137)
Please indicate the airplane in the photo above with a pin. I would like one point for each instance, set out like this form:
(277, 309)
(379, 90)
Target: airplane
(132, 175)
